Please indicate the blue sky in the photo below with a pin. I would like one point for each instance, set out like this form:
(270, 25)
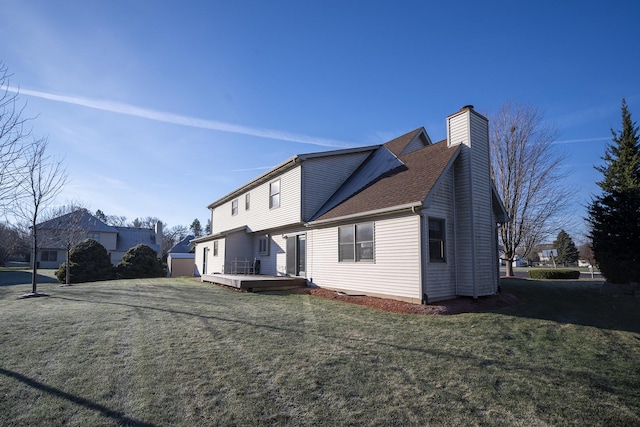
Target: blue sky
(160, 108)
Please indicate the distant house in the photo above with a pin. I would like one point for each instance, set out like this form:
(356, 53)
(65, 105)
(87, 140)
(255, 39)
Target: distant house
(181, 258)
(56, 234)
(409, 219)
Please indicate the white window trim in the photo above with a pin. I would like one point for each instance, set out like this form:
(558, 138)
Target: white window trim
(443, 240)
(265, 239)
(271, 194)
(356, 241)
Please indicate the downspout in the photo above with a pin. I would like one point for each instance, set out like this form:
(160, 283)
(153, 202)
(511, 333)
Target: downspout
(455, 232)
(473, 229)
(423, 277)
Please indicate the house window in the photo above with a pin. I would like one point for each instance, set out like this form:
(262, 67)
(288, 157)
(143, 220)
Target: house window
(263, 245)
(49, 256)
(94, 236)
(436, 240)
(274, 194)
(356, 242)
(204, 260)
(215, 248)
(234, 207)
(247, 202)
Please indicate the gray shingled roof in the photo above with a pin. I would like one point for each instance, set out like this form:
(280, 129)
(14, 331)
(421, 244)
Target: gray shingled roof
(183, 246)
(409, 183)
(79, 219)
(129, 237)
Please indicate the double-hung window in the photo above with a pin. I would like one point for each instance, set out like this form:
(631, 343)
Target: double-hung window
(263, 245)
(247, 201)
(356, 242)
(437, 239)
(215, 248)
(274, 194)
(234, 207)
(49, 256)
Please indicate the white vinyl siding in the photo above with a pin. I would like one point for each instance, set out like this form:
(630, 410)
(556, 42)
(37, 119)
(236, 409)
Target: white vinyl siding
(214, 263)
(440, 277)
(321, 178)
(474, 215)
(260, 216)
(396, 271)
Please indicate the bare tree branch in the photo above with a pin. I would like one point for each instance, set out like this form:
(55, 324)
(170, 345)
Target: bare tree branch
(12, 135)
(527, 170)
(39, 182)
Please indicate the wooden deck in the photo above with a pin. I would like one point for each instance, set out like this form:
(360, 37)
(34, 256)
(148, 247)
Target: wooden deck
(255, 283)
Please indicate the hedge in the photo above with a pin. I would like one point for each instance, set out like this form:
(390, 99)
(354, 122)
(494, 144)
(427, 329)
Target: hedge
(554, 274)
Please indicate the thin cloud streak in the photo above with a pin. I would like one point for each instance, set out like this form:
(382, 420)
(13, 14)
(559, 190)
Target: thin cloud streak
(571, 141)
(131, 110)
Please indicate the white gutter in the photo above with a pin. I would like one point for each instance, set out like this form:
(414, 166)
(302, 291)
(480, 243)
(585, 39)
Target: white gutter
(413, 207)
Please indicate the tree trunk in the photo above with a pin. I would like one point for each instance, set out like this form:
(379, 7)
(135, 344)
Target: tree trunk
(509, 264)
(34, 275)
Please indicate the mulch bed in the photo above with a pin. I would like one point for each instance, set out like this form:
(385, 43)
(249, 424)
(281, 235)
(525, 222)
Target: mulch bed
(452, 306)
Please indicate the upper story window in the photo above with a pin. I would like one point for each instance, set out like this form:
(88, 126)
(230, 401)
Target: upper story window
(94, 236)
(234, 207)
(247, 201)
(274, 194)
(356, 242)
(437, 240)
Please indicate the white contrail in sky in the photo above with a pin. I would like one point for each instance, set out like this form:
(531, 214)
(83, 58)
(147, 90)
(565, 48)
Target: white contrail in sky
(571, 141)
(131, 110)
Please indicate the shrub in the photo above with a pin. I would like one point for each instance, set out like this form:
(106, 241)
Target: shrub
(554, 274)
(139, 262)
(88, 262)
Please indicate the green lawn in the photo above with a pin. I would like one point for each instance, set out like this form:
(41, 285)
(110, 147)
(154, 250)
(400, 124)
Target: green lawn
(179, 352)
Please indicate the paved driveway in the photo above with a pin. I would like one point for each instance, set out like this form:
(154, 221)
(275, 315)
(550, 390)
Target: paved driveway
(23, 277)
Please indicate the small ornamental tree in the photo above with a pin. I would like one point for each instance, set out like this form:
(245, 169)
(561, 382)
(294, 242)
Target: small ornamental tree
(567, 250)
(139, 262)
(88, 262)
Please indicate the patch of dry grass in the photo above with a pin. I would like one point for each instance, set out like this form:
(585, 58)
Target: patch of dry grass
(179, 352)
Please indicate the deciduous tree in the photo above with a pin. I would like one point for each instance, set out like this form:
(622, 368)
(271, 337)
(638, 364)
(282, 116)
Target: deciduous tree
(39, 182)
(528, 174)
(13, 138)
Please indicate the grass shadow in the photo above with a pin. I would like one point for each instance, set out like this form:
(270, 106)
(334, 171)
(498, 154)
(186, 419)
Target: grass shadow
(110, 413)
(575, 302)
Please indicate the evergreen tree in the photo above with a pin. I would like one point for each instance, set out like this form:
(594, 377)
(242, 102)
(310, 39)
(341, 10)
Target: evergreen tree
(88, 262)
(101, 216)
(567, 250)
(614, 216)
(196, 228)
(139, 262)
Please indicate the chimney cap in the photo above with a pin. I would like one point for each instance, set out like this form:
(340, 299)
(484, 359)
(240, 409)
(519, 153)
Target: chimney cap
(467, 107)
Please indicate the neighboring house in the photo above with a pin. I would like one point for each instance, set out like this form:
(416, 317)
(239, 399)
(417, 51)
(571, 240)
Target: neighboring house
(55, 235)
(181, 259)
(409, 219)
(546, 253)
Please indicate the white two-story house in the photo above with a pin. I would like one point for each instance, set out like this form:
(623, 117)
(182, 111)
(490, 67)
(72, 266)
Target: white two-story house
(409, 219)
